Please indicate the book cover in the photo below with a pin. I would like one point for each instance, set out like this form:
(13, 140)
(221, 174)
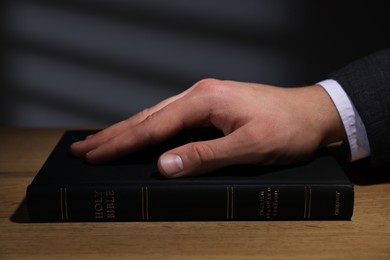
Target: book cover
(131, 189)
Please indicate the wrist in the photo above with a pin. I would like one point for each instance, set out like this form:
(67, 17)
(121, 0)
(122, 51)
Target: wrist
(331, 120)
(325, 117)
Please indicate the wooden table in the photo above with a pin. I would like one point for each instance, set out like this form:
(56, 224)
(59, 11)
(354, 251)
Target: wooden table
(23, 151)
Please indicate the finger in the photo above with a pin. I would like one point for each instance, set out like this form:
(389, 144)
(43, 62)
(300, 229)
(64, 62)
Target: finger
(185, 112)
(205, 156)
(81, 148)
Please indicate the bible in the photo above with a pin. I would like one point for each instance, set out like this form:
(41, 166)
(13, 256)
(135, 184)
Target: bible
(69, 189)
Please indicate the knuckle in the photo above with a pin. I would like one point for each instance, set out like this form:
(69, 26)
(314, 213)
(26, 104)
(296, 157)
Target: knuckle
(139, 117)
(146, 132)
(149, 118)
(144, 113)
(202, 153)
(209, 86)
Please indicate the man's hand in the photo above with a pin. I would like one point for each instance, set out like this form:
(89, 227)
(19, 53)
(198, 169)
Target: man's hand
(262, 124)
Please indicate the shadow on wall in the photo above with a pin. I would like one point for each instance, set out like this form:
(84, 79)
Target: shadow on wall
(94, 62)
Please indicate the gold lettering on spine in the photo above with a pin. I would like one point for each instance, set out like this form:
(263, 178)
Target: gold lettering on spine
(262, 204)
(337, 206)
(110, 204)
(269, 203)
(104, 204)
(275, 207)
(98, 204)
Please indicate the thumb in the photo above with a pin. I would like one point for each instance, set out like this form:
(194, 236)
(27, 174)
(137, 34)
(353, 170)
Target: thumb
(197, 158)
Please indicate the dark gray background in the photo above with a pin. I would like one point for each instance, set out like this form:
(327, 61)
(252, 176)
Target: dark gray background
(93, 62)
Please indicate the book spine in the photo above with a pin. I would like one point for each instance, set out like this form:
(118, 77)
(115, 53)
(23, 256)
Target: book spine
(191, 203)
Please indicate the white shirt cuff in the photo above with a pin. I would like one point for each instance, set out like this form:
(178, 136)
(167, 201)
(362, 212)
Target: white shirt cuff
(353, 124)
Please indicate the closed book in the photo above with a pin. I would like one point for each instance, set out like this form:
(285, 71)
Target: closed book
(131, 189)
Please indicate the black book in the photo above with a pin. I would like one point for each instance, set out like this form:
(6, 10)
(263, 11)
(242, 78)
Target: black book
(131, 189)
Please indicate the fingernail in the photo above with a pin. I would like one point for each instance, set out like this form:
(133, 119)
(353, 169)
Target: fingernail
(78, 142)
(89, 155)
(171, 164)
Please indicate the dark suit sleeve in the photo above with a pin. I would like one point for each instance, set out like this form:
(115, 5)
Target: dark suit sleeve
(367, 83)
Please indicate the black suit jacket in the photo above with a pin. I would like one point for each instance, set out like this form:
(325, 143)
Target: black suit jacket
(367, 83)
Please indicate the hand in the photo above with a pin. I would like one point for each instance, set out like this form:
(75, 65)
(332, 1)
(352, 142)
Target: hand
(262, 124)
